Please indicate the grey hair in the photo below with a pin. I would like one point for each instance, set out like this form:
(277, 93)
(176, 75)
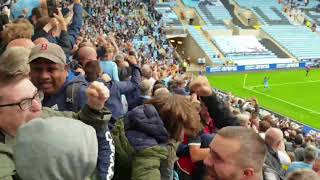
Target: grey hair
(14, 64)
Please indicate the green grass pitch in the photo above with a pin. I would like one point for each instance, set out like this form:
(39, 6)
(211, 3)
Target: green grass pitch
(291, 93)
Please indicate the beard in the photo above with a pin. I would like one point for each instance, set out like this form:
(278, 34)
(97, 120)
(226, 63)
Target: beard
(212, 175)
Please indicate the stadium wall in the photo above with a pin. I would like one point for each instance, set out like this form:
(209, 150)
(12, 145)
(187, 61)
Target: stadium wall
(194, 51)
(255, 67)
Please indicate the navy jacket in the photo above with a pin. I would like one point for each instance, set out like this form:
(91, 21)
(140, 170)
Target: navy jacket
(61, 102)
(145, 128)
(142, 99)
(114, 103)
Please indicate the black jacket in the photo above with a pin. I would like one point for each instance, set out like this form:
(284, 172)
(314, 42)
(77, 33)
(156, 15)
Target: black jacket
(219, 112)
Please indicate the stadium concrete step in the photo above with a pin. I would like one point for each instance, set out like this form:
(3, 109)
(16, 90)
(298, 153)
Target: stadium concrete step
(235, 19)
(273, 48)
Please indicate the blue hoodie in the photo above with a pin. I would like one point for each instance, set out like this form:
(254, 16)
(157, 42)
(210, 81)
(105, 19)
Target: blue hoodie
(114, 103)
(61, 102)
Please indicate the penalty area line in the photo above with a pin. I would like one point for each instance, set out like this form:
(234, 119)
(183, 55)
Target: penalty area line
(284, 101)
(281, 84)
(244, 80)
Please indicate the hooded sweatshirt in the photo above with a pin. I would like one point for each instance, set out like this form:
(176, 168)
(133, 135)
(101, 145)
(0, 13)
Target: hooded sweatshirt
(56, 148)
(61, 101)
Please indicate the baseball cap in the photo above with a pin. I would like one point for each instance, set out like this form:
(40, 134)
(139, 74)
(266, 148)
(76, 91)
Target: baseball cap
(49, 51)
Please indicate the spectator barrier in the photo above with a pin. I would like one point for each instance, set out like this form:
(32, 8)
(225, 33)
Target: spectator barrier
(243, 68)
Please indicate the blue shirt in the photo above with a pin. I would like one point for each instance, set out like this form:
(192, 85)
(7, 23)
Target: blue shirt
(295, 166)
(265, 81)
(110, 68)
(20, 5)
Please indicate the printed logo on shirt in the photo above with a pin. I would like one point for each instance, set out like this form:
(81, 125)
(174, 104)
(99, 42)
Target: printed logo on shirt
(55, 107)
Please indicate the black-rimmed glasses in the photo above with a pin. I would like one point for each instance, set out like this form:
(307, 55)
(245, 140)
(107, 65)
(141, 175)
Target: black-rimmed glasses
(26, 103)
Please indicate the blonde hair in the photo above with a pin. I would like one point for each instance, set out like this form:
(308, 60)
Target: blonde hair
(19, 29)
(303, 175)
(200, 80)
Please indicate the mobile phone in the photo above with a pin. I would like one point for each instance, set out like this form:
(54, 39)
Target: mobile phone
(52, 6)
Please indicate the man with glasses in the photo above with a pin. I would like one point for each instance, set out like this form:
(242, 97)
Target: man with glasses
(49, 72)
(20, 102)
(25, 104)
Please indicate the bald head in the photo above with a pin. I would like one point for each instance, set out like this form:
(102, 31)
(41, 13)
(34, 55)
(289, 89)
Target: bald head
(145, 87)
(274, 138)
(244, 120)
(146, 71)
(250, 143)
(161, 92)
(41, 40)
(23, 42)
(86, 54)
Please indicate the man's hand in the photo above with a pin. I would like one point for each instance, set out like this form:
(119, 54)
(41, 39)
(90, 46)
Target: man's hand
(201, 86)
(60, 18)
(97, 94)
(81, 71)
(6, 11)
(254, 101)
(194, 98)
(101, 40)
(132, 60)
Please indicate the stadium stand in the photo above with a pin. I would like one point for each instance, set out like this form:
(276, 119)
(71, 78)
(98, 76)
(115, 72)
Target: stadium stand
(213, 14)
(168, 15)
(268, 12)
(190, 3)
(246, 50)
(204, 44)
(297, 40)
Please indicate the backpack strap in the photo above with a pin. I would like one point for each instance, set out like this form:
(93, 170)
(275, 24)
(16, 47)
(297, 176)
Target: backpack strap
(71, 95)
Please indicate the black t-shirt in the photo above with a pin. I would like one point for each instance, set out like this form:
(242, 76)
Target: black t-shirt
(194, 141)
(3, 21)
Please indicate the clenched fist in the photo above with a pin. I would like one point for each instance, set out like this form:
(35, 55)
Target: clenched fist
(97, 94)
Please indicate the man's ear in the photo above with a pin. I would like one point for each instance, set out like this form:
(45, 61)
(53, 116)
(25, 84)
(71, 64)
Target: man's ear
(67, 67)
(248, 172)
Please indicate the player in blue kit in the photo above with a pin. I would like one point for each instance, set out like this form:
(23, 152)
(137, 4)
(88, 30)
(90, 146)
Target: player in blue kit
(266, 83)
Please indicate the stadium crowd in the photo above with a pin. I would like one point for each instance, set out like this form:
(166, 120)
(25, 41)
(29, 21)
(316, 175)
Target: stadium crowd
(109, 65)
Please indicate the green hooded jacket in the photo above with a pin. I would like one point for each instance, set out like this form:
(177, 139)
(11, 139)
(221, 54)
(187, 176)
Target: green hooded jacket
(154, 163)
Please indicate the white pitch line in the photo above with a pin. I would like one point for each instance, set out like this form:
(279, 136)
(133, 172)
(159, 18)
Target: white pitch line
(281, 84)
(287, 102)
(244, 80)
